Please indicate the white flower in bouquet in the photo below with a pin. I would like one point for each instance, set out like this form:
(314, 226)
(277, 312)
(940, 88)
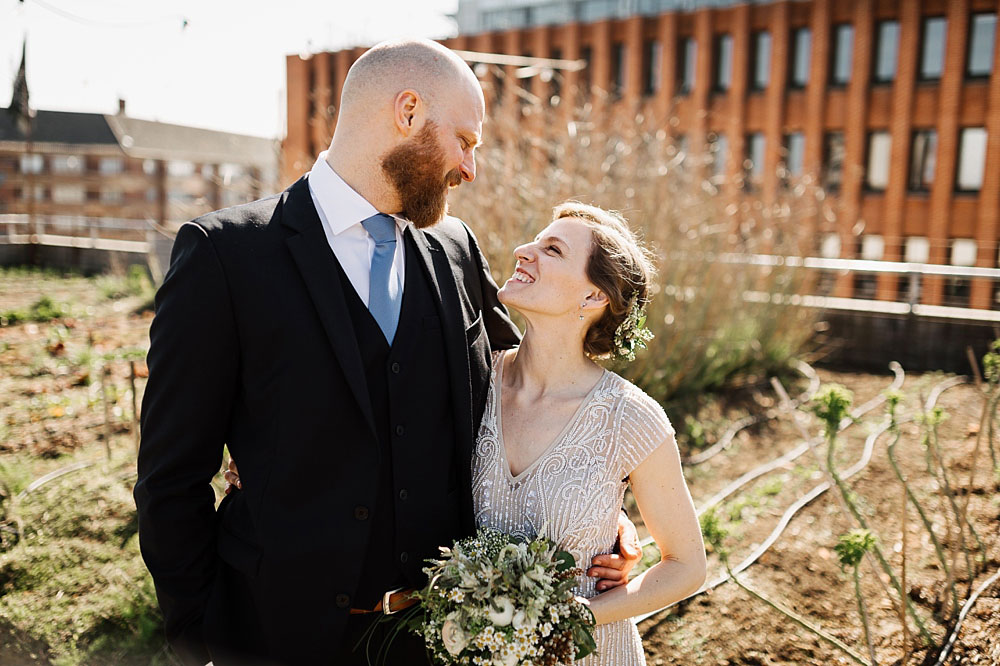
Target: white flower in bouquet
(453, 637)
(501, 611)
(495, 601)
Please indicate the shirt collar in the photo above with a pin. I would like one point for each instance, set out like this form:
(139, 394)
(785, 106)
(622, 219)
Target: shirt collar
(341, 206)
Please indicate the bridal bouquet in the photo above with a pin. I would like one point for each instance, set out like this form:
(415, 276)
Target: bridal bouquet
(493, 600)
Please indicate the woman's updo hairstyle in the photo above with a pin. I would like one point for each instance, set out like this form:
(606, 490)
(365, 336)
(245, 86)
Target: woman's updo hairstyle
(619, 265)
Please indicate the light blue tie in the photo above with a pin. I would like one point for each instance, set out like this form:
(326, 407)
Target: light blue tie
(384, 295)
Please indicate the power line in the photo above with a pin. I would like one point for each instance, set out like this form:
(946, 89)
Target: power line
(107, 24)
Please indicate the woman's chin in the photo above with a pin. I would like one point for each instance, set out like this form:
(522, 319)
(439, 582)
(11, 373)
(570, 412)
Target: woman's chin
(508, 296)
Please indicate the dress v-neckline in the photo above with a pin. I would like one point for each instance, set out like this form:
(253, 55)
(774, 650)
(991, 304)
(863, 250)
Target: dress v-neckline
(504, 462)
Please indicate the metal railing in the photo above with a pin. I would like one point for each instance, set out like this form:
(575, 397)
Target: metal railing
(96, 233)
(908, 304)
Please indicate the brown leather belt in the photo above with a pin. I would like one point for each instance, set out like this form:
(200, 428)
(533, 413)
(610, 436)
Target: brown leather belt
(392, 601)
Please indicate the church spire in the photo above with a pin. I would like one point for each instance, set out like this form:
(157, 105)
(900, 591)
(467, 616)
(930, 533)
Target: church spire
(19, 106)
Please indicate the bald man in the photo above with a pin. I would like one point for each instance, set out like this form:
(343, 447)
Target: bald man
(344, 325)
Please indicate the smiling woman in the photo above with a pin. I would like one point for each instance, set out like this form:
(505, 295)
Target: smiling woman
(562, 438)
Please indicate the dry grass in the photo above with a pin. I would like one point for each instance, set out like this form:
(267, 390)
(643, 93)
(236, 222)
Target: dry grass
(707, 334)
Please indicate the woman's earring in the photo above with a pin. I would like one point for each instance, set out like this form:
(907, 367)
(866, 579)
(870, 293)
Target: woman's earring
(582, 305)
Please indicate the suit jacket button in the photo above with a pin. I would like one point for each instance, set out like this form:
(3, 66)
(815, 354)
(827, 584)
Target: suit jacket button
(361, 512)
(400, 430)
(403, 557)
(403, 494)
(343, 601)
(395, 368)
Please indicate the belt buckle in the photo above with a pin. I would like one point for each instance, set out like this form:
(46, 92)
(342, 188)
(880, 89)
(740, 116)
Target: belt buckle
(385, 601)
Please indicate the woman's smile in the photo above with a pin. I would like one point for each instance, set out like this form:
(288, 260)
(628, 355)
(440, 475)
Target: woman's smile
(521, 275)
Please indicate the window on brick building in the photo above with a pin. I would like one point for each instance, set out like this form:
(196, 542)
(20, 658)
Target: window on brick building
(32, 163)
(718, 146)
(754, 163)
(109, 166)
(833, 160)
(886, 51)
(149, 167)
(112, 197)
(870, 248)
(618, 69)
(687, 53)
(794, 153)
(526, 81)
(971, 159)
(652, 54)
(180, 168)
(587, 55)
(555, 85)
(842, 54)
(723, 62)
(67, 164)
(956, 289)
(801, 46)
(39, 192)
(760, 60)
(923, 155)
(68, 193)
(916, 250)
(879, 152)
(982, 32)
(682, 144)
(935, 30)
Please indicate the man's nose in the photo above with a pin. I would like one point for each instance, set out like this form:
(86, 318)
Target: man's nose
(468, 168)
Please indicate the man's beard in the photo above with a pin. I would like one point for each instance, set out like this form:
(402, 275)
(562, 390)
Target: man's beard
(414, 168)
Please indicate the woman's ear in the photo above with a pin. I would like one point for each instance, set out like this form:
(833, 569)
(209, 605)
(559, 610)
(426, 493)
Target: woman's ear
(406, 109)
(597, 298)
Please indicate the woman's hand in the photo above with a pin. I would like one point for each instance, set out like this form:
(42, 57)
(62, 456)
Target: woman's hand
(613, 569)
(232, 477)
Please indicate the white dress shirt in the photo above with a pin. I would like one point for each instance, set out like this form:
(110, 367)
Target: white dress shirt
(342, 210)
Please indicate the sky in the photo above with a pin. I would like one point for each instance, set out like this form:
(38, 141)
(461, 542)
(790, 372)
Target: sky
(224, 71)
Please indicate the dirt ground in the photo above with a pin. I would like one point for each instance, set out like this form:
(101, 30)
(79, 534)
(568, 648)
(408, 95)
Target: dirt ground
(52, 413)
(801, 570)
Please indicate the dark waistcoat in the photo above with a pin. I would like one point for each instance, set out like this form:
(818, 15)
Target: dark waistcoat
(417, 503)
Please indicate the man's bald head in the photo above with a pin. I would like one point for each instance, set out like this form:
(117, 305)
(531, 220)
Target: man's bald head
(411, 116)
(421, 65)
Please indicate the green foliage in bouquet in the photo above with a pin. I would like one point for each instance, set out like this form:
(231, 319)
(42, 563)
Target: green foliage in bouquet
(495, 600)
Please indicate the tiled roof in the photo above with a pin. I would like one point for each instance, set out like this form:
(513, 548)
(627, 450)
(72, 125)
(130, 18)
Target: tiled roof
(154, 140)
(60, 127)
(143, 139)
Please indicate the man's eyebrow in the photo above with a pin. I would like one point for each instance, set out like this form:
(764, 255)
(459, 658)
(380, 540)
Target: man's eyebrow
(473, 138)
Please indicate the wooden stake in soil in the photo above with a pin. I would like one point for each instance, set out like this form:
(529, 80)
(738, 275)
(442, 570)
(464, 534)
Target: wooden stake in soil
(902, 577)
(105, 376)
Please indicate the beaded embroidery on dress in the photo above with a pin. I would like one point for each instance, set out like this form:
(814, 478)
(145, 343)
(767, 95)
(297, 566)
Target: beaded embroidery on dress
(575, 488)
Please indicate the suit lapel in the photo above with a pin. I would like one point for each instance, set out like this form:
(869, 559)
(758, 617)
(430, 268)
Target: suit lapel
(442, 280)
(315, 261)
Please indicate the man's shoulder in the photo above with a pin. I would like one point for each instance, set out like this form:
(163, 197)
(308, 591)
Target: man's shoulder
(454, 236)
(243, 218)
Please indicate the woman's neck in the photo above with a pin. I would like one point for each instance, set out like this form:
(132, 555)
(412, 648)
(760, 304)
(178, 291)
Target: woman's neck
(550, 362)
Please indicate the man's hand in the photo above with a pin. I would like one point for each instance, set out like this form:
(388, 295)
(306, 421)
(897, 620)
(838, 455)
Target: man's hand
(232, 476)
(613, 569)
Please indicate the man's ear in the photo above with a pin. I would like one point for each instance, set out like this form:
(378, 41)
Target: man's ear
(406, 111)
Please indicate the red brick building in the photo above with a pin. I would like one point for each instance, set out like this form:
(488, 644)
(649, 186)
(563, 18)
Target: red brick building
(894, 105)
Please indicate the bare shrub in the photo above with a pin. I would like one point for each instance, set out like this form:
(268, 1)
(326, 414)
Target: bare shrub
(715, 316)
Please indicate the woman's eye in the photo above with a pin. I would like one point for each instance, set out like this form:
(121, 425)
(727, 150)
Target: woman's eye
(554, 249)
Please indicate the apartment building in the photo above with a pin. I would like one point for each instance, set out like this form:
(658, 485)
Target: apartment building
(893, 105)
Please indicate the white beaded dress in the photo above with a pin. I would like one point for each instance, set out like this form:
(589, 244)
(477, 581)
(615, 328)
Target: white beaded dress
(575, 487)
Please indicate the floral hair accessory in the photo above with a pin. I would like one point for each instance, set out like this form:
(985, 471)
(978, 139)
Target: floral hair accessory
(632, 334)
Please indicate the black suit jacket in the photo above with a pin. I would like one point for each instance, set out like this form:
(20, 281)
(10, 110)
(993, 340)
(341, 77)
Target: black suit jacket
(252, 347)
